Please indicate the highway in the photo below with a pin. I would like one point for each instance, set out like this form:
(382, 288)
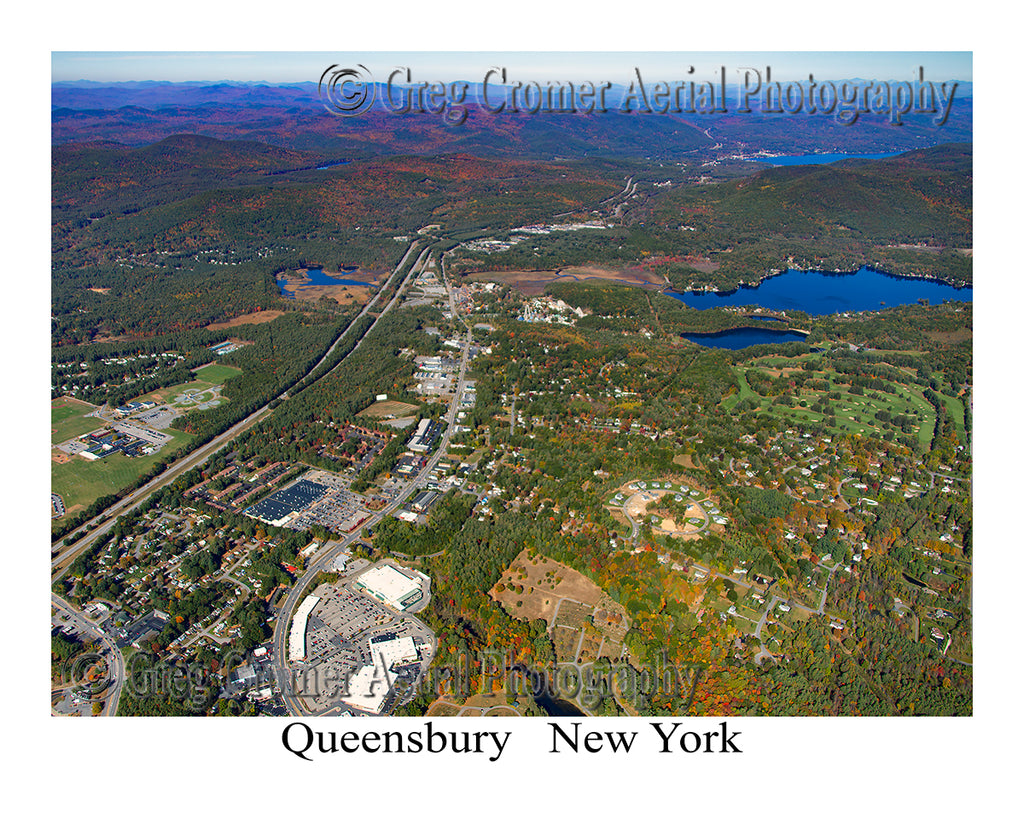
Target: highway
(325, 558)
(66, 556)
(62, 561)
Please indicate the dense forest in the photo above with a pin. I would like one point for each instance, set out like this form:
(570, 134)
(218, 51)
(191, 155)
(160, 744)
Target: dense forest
(159, 236)
(908, 215)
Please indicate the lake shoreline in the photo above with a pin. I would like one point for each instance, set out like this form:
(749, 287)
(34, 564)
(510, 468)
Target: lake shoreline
(771, 274)
(752, 336)
(316, 279)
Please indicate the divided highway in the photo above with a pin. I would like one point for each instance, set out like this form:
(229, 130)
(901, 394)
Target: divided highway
(65, 556)
(324, 559)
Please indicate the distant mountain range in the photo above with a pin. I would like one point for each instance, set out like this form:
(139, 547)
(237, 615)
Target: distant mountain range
(293, 116)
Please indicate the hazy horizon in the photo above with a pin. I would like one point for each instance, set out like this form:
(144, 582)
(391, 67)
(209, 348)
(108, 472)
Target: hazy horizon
(287, 68)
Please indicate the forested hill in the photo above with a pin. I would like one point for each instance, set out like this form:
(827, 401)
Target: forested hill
(300, 121)
(103, 177)
(191, 188)
(909, 215)
(293, 116)
(922, 197)
(190, 230)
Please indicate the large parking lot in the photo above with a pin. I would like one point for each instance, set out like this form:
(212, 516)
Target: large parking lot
(338, 634)
(340, 511)
(158, 418)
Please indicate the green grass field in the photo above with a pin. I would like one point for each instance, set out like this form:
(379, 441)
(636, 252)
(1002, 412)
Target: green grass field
(745, 391)
(170, 395)
(207, 378)
(955, 408)
(80, 481)
(216, 373)
(67, 420)
(854, 414)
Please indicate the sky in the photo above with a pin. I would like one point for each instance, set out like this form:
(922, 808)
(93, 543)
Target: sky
(615, 66)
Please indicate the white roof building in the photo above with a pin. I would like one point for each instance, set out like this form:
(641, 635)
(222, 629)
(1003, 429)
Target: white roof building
(369, 687)
(390, 586)
(297, 634)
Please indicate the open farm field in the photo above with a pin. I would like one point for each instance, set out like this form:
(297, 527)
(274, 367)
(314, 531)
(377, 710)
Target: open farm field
(68, 419)
(216, 373)
(80, 481)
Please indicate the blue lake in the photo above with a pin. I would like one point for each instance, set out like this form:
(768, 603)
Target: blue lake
(316, 275)
(743, 337)
(334, 165)
(816, 159)
(820, 293)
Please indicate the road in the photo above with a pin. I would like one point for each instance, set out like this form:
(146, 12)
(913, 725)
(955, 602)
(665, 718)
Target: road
(66, 556)
(732, 579)
(111, 653)
(325, 558)
(227, 574)
(635, 533)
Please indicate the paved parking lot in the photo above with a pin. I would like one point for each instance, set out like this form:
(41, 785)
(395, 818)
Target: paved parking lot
(339, 511)
(338, 635)
(159, 418)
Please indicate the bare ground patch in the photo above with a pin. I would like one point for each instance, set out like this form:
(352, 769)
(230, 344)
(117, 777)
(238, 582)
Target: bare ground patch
(106, 338)
(950, 337)
(531, 589)
(533, 282)
(570, 603)
(384, 409)
(341, 293)
(261, 317)
(540, 583)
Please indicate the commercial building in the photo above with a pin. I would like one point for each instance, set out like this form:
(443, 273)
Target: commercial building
(370, 688)
(297, 634)
(390, 586)
(424, 500)
(426, 435)
(282, 506)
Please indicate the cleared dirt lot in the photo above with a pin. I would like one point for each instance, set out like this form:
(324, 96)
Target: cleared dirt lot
(539, 585)
(533, 282)
(636, 507)
(583, 621)
(384, 409)
(262, 317)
